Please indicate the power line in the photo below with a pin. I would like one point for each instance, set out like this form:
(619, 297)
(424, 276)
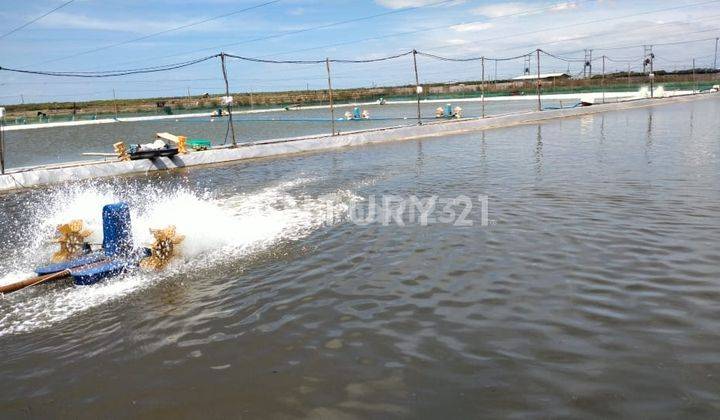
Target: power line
(524, 12)
(371, 60)
(683, 61)
(112, 73)
(575, 24)
(299, 31)
(596, 35)
(665, 35)
(426, 29)
(333, 24)
(144, 37)
(665, 43)
(625, 33)
(24, 25)
(160, 81)
(520, 13)
(355, 61)
(174, 66)
(514, 14)
(441, 58)
(259, 59)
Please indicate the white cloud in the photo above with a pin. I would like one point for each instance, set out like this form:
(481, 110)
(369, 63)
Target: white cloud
(501, 9)
(564, 6)
(297, 11)
(522, 9)
(472, 27)
(456, 41)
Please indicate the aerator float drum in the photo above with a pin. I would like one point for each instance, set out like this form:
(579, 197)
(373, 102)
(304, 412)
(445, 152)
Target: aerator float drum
(118, 255)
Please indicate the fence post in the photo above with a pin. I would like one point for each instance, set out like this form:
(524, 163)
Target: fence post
(115, 104)
(229, 103)
(483, 87)
(628, 80)
(330, 93)
(417, 87)
(495, 79)
(652, 74)
(539, 103)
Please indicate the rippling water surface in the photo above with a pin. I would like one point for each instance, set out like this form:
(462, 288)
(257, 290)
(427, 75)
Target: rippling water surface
(593, 291)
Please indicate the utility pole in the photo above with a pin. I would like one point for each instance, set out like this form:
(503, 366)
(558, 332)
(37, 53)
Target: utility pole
(716, 50)
(228, 99)
(330, 94)
(22, 99)
(418, 88)
(188, 92)
(538, 80)
(482, 97)
(693, 74)
(115, 104)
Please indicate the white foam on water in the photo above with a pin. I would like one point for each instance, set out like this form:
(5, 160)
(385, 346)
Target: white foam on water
(215, 230)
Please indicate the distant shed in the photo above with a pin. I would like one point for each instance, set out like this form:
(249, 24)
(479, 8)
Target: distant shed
(543, 76)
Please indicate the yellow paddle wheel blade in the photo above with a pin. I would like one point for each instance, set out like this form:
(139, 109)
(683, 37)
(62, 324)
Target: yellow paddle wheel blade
(163, 248)
(72, 239)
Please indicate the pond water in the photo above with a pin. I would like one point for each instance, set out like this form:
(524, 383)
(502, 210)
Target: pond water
(585, 283)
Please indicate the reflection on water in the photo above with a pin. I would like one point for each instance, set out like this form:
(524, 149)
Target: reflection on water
(592, 293)
(539, 152)
(649, 137)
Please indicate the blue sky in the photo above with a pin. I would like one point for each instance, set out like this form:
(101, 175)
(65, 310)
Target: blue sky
(454, 28)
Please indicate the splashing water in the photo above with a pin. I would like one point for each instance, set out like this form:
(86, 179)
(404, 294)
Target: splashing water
(215, 230)
(658, 92)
